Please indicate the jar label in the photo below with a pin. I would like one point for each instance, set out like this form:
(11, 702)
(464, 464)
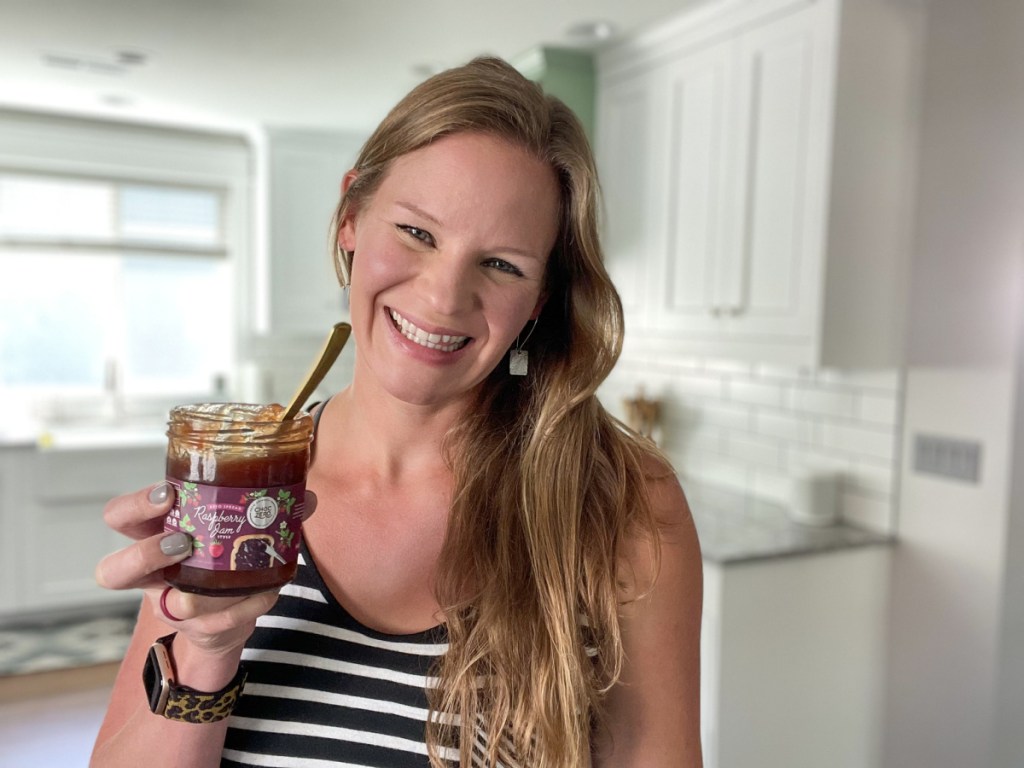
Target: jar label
(238, 529)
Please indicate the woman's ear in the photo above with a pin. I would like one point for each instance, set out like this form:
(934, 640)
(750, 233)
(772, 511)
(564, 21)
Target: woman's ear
(347, 180)
(347, 228)
(540, 306)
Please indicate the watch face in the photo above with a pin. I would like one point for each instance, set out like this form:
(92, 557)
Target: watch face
(155, 678)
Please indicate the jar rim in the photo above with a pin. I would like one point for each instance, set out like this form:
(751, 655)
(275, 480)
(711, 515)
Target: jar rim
(234, 424)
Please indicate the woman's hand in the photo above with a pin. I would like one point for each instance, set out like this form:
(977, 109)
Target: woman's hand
(213, 625)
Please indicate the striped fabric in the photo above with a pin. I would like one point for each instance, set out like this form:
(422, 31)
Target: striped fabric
(323, 690)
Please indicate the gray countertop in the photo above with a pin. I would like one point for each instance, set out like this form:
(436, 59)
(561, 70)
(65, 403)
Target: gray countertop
(83, 437)
(735, 528)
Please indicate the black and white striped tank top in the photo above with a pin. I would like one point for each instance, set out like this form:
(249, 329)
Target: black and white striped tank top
(323, 690)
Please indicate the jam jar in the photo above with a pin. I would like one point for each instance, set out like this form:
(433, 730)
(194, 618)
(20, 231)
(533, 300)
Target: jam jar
(239, 478)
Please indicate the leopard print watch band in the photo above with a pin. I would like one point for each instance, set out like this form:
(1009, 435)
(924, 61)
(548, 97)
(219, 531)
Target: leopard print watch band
(179, 702)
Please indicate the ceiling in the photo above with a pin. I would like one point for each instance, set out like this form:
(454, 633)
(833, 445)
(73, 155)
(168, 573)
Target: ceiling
(236, 64)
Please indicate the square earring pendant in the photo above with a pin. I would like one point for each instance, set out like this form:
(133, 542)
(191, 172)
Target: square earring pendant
(518, 362)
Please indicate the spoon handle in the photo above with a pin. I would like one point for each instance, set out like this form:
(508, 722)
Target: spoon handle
(332, 348)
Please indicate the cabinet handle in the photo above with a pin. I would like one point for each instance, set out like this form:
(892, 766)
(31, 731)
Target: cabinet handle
(735, 309)
(716, 311)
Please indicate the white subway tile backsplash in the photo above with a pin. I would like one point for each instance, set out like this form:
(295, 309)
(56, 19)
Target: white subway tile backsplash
(697, 385)
(783, 425)
(735, 367)
(751, 427)
(773, 485)
(878, 408)
(732, 416)
(762, 451)
(714, 470)
(754, 393)
(800, 460)
(886, 381)
(695, 439)
(831, 401)
(779, 372)
(876, 443)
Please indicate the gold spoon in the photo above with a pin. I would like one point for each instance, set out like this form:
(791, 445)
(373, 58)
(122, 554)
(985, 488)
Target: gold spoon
(332, 348)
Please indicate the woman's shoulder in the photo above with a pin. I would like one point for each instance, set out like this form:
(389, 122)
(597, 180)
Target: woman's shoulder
(664, 491)
(667, 550)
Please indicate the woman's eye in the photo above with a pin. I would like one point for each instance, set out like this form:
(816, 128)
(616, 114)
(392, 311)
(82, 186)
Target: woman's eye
(504, 266)
(417, 234)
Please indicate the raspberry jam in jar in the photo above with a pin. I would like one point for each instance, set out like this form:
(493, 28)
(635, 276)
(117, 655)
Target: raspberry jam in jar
(239, 479)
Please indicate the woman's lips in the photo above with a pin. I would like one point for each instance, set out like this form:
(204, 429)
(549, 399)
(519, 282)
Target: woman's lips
(437, 341)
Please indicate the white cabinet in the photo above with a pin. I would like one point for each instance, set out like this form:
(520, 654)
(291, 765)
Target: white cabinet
(305, 171)
(734, 226)
(14, 469)
(792, 661)
(52, 513)
(738, 124)
(627, 128)
(699, 268)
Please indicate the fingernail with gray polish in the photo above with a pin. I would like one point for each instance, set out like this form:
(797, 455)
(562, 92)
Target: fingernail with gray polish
(175, 544)
(159, 494)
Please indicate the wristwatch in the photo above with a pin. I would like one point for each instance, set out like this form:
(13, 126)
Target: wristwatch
(179, 702)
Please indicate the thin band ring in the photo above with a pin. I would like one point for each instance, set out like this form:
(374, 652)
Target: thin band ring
(163, 605)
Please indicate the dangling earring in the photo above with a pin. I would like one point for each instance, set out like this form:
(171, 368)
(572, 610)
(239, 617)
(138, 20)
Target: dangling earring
(519, 358)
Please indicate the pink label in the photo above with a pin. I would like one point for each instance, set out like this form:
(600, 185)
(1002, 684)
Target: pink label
(238, 529)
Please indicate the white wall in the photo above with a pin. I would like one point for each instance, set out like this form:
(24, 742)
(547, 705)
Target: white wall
(1008, 749)
(948, 660)
(947, 576)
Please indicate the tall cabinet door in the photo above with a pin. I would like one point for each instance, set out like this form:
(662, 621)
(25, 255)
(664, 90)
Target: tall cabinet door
(772, 262)
(626, 142)
(687, 288)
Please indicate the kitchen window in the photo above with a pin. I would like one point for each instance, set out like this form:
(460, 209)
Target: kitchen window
(112, 288)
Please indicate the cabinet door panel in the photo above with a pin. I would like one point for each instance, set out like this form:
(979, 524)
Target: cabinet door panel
(61, 551)
(770, 268)
(101, 474)
(626, 139)
(61, 536)
(698, 87)
(15, 506)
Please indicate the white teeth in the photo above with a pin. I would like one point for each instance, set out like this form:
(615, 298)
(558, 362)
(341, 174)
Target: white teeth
(445, 343)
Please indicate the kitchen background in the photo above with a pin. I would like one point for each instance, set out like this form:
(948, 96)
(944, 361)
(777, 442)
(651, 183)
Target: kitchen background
(814, 212)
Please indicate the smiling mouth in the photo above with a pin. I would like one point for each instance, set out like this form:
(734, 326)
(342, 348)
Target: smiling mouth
(440, 342)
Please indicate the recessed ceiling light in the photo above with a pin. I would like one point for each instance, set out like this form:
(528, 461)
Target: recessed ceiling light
(117, 100)
(591, 31)
(426, 69)
(117, 62)
(131, 58)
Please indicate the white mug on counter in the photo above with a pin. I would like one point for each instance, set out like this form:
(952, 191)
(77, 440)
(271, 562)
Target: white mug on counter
(814, 497)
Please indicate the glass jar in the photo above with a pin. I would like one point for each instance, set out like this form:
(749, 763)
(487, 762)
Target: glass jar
(239, 479)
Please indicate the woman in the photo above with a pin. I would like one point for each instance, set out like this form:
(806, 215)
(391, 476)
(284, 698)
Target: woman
(494, 523)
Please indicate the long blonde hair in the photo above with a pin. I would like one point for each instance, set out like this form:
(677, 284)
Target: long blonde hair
(547, 485)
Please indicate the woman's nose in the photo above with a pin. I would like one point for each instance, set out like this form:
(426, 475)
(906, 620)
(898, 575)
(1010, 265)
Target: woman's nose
(449, 283)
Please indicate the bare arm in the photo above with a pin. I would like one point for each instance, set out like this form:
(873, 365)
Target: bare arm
(654, 711)
(206, 651)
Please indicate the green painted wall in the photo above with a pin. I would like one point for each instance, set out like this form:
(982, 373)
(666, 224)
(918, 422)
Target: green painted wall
(566, 73)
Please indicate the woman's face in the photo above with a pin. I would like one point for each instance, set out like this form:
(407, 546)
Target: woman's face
(449, 265)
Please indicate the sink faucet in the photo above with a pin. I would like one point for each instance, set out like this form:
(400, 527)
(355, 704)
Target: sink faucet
(113, 388)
